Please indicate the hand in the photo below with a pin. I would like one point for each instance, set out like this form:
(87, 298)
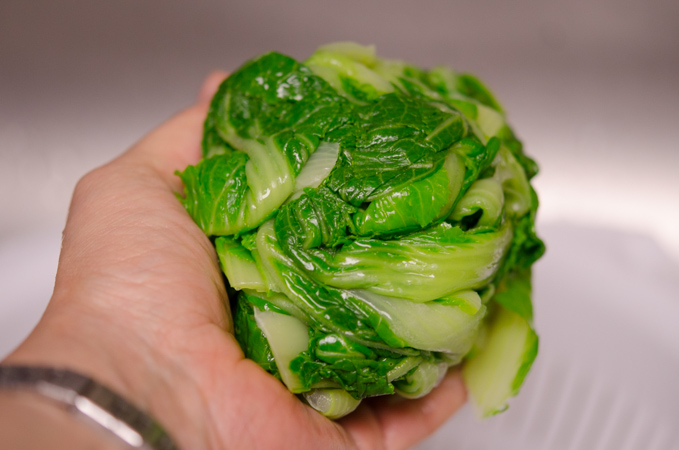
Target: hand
(139, 304)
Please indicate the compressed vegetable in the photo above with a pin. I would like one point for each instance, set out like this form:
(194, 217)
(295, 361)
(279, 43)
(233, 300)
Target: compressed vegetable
(375, 224)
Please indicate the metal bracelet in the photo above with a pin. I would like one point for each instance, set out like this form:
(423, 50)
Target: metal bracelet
(83, 395)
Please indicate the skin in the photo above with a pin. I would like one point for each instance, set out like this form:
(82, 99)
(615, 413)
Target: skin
(139, 305)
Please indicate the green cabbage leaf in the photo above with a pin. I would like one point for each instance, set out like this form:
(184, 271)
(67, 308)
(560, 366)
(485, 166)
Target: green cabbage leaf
(375, 223)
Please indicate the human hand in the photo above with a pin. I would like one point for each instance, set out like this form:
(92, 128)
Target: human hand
(139, 304)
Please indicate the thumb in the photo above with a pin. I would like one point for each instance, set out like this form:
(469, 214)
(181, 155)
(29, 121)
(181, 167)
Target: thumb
(210, 86)
(176, 143)
(170, 147)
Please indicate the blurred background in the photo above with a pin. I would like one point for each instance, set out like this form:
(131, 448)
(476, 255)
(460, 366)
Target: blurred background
(591, 87)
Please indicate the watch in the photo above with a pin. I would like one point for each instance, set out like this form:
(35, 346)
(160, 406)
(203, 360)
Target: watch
(87, 399)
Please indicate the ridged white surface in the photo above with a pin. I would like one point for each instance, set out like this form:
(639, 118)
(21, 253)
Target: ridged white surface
(606, 376)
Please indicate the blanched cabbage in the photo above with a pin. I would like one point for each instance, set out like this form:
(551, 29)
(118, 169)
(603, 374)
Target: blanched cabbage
(375, 222)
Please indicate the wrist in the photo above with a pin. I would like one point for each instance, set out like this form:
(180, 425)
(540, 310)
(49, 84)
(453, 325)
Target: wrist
(29, 422)
(120, 359)
(68, 397)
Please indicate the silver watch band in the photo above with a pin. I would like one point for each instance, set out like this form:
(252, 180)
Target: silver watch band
(83, 395)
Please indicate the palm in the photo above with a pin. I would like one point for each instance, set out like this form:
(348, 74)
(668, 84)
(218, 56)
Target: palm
(190, 315)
